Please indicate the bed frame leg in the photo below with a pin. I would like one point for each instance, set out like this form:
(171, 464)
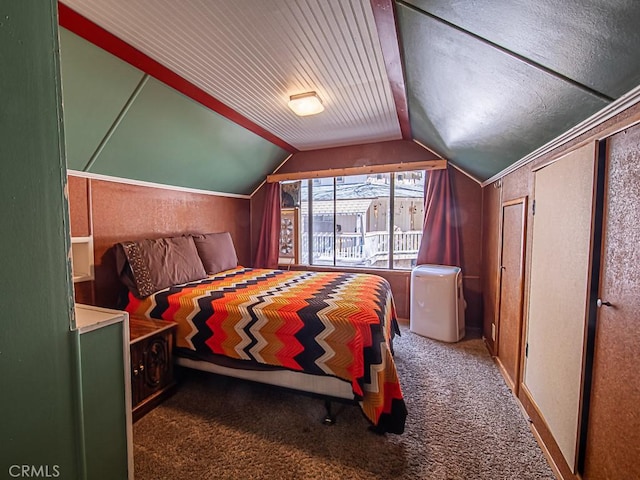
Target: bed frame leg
(329, 418)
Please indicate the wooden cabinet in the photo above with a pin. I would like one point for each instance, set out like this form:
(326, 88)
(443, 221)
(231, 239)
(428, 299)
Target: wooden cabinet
(613, 431)
(580, 382)
(560, 272)
(152, 376)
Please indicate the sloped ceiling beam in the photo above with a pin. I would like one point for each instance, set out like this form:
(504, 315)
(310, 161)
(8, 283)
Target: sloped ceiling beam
(384, 14)
(97, 35)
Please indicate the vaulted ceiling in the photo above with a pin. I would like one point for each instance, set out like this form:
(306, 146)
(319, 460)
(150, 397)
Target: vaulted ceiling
(481, 83)
(491, 81)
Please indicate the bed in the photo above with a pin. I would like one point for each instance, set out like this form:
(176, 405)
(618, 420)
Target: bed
(326, 333)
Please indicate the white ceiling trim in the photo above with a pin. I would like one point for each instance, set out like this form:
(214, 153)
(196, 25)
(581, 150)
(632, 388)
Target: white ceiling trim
(141, 183)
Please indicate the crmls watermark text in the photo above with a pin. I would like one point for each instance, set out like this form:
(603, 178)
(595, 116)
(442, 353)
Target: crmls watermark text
(34, 471)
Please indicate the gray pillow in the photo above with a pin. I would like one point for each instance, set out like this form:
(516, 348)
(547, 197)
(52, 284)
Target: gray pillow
(216, 251)
(163, 262)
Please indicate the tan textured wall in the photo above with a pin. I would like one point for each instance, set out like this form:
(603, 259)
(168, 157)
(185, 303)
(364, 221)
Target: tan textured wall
(517, 184)
(491, 204)
(381, 153)
(613, 442)
(130, 212)
(79, 206)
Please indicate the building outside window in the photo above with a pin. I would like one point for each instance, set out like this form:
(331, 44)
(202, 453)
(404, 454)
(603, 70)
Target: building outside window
(367, 221)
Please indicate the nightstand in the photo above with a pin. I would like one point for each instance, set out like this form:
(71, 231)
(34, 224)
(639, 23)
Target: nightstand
(152, 380)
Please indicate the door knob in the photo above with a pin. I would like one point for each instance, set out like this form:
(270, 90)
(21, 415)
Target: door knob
(600, 303)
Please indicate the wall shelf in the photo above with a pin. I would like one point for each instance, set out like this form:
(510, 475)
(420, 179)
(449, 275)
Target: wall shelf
(82, 259)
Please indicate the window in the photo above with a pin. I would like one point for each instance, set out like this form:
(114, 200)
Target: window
(408, 215)
(367, 221)
(322, 222)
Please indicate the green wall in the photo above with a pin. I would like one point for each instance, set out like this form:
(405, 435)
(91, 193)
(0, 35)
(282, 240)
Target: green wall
(122, 123)
(479, 107)
(39, 421)
(96, 87)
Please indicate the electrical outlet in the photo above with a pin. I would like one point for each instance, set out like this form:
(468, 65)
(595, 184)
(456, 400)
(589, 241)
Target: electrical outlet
(493, 332)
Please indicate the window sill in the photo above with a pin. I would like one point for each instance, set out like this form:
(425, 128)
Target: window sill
(338, 268)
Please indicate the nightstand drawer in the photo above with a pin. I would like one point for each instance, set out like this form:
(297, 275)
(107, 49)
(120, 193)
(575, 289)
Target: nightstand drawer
(151, 362)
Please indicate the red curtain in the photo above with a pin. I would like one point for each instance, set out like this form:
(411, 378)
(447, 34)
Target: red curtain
(440, 243)
(269, 239)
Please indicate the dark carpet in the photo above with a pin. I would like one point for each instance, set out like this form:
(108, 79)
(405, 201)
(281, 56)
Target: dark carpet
(463, 423)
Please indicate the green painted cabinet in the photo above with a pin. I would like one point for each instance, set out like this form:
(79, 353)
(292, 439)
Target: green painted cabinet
(103, 337)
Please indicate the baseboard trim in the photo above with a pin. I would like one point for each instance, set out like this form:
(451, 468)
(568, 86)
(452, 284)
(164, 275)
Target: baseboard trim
(507, 379)
(543, 436)
(545, 450)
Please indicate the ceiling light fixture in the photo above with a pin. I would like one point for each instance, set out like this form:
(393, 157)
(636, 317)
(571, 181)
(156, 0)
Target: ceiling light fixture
(304, 104)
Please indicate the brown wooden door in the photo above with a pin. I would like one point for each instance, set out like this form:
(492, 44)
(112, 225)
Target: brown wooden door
(509, 341)
(613, 435)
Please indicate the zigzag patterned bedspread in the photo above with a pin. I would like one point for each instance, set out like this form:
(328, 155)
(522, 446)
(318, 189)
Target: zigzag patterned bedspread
(325, 323)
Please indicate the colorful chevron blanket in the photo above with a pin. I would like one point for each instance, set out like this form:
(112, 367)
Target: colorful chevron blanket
(324, 323)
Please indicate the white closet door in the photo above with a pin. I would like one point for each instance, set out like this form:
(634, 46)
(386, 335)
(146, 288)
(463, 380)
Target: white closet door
(560, 266)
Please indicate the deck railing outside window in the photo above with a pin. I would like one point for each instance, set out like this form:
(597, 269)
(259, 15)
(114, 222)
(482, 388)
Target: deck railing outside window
(368, 249)
(361, 220)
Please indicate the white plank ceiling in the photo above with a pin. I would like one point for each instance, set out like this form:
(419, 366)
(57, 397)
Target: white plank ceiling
(253, 54)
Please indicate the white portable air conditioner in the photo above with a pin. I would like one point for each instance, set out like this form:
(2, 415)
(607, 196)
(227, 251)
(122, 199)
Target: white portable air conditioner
(437, 302)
